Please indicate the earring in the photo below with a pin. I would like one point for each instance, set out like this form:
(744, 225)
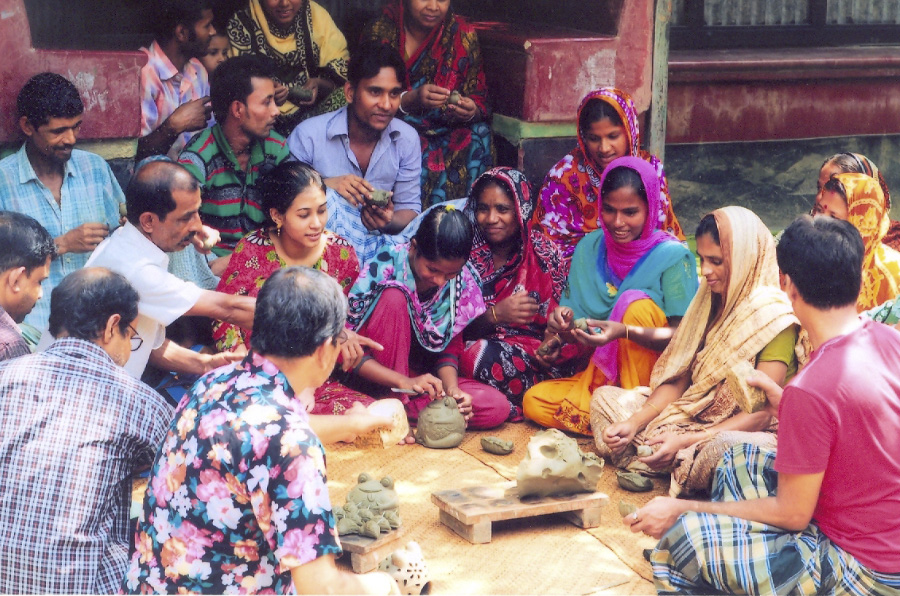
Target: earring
(278, 231)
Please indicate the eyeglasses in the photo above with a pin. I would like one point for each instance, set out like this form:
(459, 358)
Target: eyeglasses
(136, 340)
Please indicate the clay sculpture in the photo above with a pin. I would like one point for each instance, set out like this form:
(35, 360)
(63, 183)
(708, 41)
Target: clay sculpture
(634, 482)
(380, 197)
(626, 508)
(299, 94)
(644, 451)
(582, 324)
(554, 465)
(385, 437)
(454, 98)
(407, 567)
(372, 508)
(496, 446)
(750, 399)
(441, 425)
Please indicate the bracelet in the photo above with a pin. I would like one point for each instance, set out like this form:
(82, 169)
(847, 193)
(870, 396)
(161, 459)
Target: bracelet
(400, 104)
(652, 405)
(626, 333)
(494, 314)
(472, 117)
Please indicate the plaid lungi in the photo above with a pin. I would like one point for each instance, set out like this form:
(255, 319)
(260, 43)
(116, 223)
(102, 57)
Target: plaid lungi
(714, 554)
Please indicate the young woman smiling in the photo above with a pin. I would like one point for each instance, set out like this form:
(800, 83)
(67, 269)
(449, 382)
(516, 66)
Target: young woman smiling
(633, 281)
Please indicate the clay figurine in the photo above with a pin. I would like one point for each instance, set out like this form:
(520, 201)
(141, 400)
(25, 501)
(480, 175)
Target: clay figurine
(626, 508)
(380, 197)
(441, 425)
(407, 566)
(123, 210)
(549, 345)
(454, 98)
(299, 94)
(496, 446)
(750, 399)
(633, 482)
(374, 495)
(554, 465)
(582, 324)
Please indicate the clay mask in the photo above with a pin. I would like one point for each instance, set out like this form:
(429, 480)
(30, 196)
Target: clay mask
(554, 465)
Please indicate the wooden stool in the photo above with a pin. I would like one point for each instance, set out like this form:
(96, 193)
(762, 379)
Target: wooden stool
(366, 553)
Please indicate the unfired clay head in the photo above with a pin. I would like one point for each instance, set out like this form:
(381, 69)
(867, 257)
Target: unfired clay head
(555, 465)
(441, 425)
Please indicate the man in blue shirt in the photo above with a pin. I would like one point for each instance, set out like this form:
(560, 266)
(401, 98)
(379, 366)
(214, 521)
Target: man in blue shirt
(362, 147)
(72, 193)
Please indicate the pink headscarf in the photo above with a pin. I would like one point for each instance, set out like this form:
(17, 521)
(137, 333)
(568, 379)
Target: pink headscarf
(622, 257)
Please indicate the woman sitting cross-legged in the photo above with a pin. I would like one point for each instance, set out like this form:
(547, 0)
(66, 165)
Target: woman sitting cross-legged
(522, 276)
(415, 299)
(293, 201)
(739, 314)
(633, 281)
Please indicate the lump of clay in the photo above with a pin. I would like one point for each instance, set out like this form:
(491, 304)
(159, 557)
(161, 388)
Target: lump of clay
(123, 210)
(407, 567)
(299, 94)
(380, 197)
(750, 399)
(644, 451)
(626, 508)
(554, 465)
(454, 98)
(496, 446)
(633, 482)
(549, 345)
(441, 425)
(582, 324)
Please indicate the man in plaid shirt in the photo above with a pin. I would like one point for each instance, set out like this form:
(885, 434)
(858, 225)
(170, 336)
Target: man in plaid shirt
(74, 427)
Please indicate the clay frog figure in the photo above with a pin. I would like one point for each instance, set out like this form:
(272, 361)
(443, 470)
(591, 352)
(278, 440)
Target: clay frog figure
(555, 465)
(441, 425)
(374, 495)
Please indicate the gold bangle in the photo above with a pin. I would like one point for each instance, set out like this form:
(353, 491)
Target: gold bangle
(658, 411)
(494, 314)
(626, 333)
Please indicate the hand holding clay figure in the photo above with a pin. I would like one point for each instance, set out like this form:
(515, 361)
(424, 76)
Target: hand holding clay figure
(463, 401)
(549, 351)
(761, 380)
(375, 217)
(518, 309)
(656, 517)
(205, 240)
(463, 111)
(361, 421)
(353, 350)
(560, 320)
(602, 332)
(351, 187)
(429, 96)
(666, 446)
(281, 93)
(619, 435)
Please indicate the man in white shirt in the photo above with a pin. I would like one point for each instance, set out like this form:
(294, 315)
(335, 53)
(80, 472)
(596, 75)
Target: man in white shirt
(163, 201)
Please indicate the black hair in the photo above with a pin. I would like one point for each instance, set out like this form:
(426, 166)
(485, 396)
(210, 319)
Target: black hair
(25, 242)
(595, 110)
(835, 185)
(484, 181)
(84, 301)
(232, 81)
(150, 189)
(370, 58)
(283, 183)
(168, 14)
(708, 226)
(823, 257)
(445, 233)
(48, 95)
(623, 177)
(297, 310)
(846, 162)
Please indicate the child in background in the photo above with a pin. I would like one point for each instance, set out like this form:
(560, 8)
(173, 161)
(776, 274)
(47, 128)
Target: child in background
(216, 54)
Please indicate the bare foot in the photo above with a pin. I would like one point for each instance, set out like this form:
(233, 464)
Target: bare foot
(409, 439)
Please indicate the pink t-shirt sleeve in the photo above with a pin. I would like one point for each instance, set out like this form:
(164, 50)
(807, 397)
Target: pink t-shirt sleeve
(799, 450)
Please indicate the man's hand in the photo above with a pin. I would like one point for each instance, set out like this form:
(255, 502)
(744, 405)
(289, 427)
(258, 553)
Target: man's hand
(656, 517)
(763, 381)
(354, 349)
(281, 93)
(190, 116)
(377, 218)
(214, 361)
(518, 309)
(205, 240)
(84, 238)
(350, 186)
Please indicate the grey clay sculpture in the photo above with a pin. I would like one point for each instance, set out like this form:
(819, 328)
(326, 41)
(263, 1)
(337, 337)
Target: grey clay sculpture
(441, 425)
(372, 508)
(554, 465)
(380, 197)
(634, 482)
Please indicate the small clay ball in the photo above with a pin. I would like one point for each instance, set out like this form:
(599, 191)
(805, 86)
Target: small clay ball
(626, 508)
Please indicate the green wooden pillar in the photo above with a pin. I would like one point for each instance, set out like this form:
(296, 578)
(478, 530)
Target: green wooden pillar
(659, 89)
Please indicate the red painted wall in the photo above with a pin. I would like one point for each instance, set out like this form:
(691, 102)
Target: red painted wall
(108, 81)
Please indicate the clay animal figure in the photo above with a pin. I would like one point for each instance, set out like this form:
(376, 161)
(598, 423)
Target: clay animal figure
(407, 566)
(554, 465)
(441, 425)
(644, 451)
(634, 482)
(496, 445)
(454, 98)
(626, 508)
(376, 496)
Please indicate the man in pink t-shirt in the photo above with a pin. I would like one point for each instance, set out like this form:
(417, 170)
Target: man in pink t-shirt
(834, 523)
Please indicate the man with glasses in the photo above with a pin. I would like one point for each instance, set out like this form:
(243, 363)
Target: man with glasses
(74, 428)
